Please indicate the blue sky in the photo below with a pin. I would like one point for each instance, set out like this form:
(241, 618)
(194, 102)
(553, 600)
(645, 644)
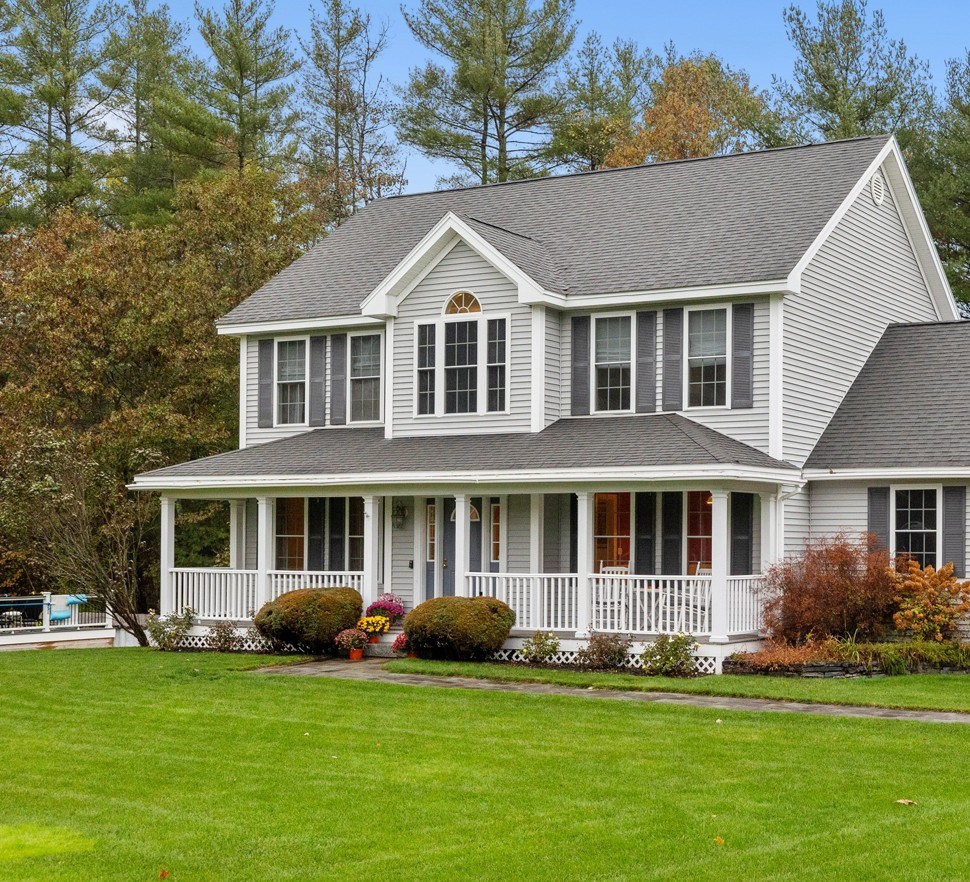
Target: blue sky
(746, 33)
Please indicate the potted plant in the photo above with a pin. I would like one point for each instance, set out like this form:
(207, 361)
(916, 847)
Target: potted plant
(374, 626)
(388, 605)
(352, 640)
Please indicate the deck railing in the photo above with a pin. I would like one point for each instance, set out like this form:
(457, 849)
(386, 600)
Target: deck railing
(540, 601)
(281, 581)
(630, 604)
(52, 612)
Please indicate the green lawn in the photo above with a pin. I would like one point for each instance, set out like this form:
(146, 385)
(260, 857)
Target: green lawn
(119, 764)
(948, 692)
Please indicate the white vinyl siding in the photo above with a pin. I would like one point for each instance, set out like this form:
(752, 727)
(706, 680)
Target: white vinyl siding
(863, 278)
(747, 424)
(462, 269)
(797, 521)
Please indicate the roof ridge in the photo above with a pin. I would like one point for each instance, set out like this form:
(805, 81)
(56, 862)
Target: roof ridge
(678, 424)
(640, 166)
(486, 223)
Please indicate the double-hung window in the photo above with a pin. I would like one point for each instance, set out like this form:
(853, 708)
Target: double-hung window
(461, 367)
(470, 373)
(365, 378)
(291, 382)
(707, 358)
(612, 362)
(916, 519)
(290, 534)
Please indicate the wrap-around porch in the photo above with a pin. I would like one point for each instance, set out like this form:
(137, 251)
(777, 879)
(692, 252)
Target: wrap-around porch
(641, 562)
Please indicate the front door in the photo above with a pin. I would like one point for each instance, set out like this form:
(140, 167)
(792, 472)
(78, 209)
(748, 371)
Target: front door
(448, 547)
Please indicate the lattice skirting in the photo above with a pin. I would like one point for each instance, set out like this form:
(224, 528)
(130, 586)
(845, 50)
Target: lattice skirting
(705, 664)
(247, 641)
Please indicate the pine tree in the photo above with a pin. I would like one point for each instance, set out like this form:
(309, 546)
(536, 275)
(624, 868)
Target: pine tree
(240, 112)
(61, 54)
(488, 108)
(151, 56)
(347, 154)
(602, 93)
(850, 77)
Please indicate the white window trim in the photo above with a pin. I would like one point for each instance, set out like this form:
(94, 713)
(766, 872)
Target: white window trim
(306, 382)
(938, 488)
(380, 420)
(728, 355)
(482, 318)
(595, 317)
(494, 507)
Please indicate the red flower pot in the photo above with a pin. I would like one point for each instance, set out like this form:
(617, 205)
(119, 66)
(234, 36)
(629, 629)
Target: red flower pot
(413, 655)
(356, 654)
(373, 639)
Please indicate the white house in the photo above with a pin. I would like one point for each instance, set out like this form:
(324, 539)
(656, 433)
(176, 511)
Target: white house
(610, 399)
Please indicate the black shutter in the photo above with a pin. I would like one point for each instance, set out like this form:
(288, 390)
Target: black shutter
(645, 543)
(673, 379)
(646, 362)
(579, 377)
(955, 529)
(318, 381)
(742, 534)
(742, 355)
(338, 379)
(338, 532)
(316, 527)
(879, 516)
(265, 385)
(672, 532)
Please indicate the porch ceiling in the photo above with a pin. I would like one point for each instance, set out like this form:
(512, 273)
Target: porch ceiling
(649, 446)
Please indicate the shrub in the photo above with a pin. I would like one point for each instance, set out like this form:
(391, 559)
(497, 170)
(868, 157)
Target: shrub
(776, 655)
(929, 601)
(168, 632)
(458, 627)
(836, 587)
(351, 638)
(540, 647)
(309, 619)
(222, 637)
(374, 625)
(670, 656)
(387, 605)
(604, 652)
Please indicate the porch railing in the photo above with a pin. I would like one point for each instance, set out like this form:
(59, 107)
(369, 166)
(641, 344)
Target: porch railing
(651, 604)
(540, 601)
(744, 604)
(214, 593)
(281, 581)
(52, 612)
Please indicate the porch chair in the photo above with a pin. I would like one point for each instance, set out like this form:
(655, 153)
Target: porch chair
(612, 612)
(64, 615)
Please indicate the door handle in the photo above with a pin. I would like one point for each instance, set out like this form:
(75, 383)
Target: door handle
(444, 566)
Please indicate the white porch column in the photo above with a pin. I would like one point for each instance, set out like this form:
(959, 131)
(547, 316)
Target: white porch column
(584, 561)
(536, 534)
(720, 529)
(372, 532)
(462, 543)
(265, 550)
(166, 601)
(237, 534)
(769, 528)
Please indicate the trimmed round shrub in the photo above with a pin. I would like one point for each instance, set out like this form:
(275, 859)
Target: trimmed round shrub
(458, 628)
(309, 619)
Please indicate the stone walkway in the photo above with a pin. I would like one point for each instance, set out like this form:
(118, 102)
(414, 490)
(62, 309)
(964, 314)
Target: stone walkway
(372, 670)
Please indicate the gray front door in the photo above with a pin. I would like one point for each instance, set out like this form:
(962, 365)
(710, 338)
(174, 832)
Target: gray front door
(448, 547)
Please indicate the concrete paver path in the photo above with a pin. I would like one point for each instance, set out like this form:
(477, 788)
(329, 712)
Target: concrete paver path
(372, 670)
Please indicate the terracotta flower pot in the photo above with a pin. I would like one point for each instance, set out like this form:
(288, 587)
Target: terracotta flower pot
(356, 654)
(413, 655)
(373, 639)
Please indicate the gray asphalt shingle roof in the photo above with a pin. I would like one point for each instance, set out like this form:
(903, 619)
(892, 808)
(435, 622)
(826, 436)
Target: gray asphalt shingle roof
(723, 220)
(908, 407)
(643, 440)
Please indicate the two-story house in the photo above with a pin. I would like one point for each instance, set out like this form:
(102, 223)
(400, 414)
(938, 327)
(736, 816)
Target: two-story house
(599, 397)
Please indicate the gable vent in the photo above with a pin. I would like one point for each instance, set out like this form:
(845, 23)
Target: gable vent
(878, 186)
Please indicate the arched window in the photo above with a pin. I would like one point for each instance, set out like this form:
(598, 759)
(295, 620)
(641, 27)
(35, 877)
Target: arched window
(461, 303)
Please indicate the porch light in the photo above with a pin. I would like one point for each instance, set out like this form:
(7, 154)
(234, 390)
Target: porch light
(399, 516)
